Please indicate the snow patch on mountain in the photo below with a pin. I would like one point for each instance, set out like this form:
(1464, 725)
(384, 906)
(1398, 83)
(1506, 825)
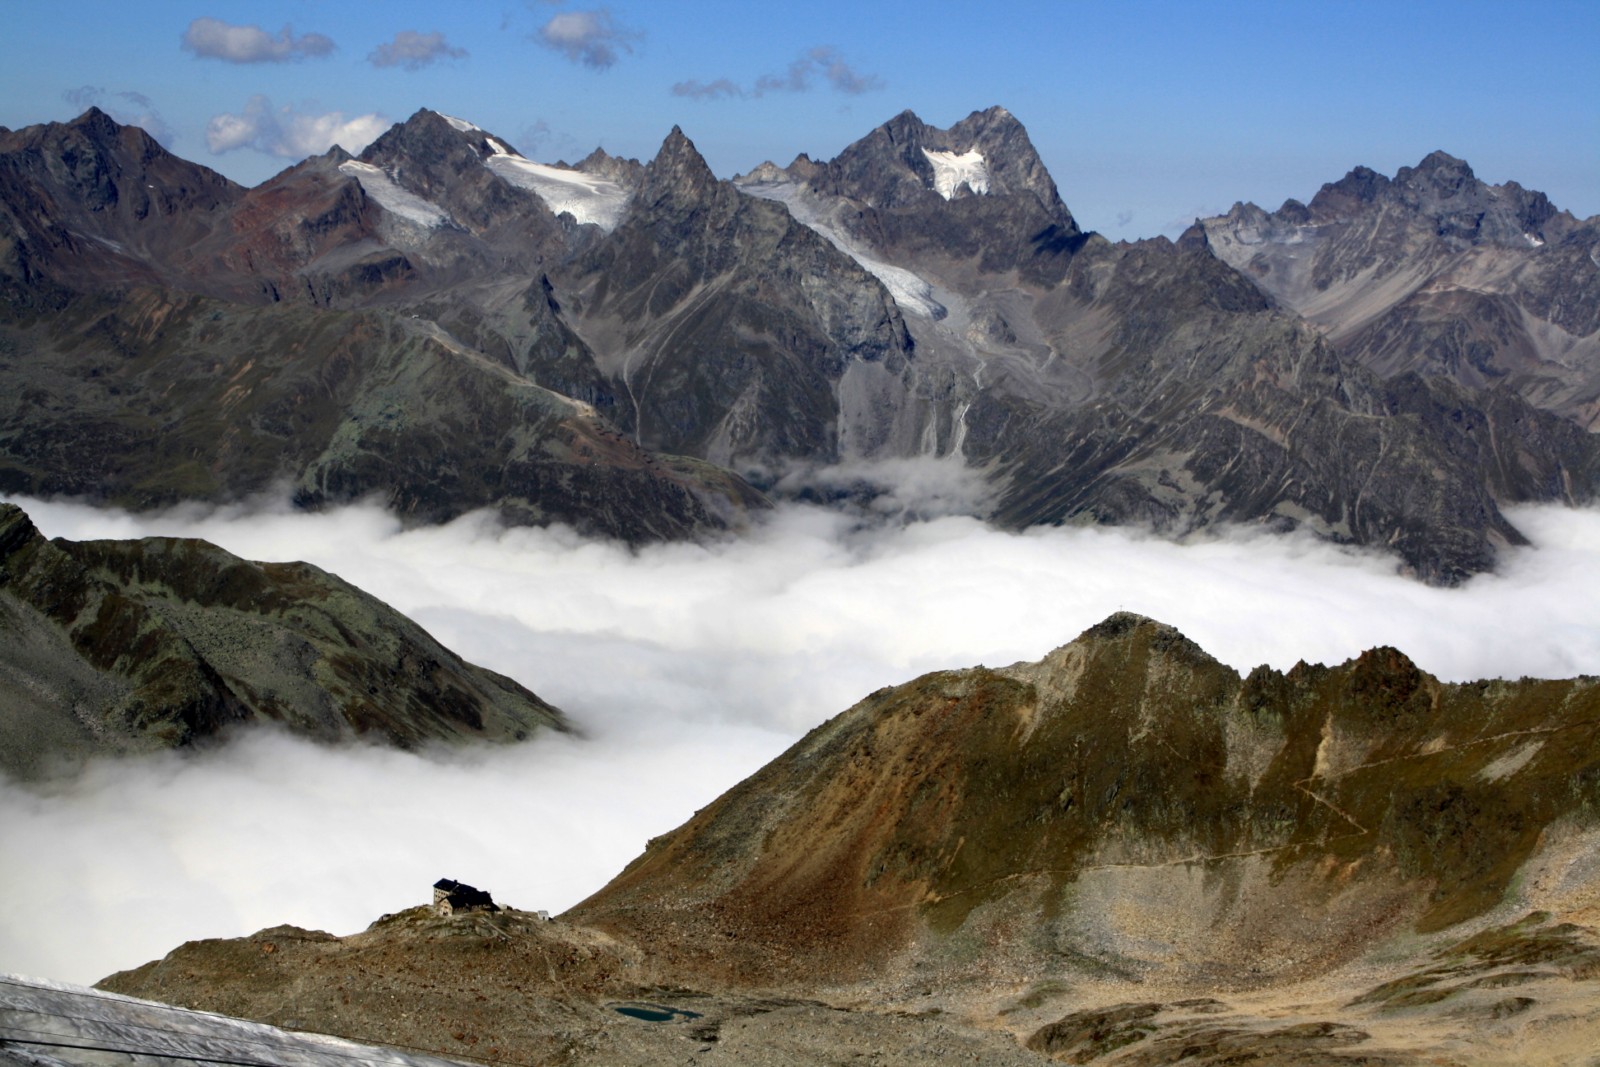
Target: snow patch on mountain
(584, 196)
(460, 124)
(913, 293)
(952, 171)
(391, 197)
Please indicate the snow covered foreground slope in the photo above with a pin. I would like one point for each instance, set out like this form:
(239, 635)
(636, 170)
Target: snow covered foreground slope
(43, 1024)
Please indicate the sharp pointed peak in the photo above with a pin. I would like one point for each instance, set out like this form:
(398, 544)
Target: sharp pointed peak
(677, 169)
(96, 121)
(92, 116)
(678, 151)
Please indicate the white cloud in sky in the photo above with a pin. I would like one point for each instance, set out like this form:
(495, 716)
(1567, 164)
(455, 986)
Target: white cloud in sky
(593, 38)
(210, 38)
(411, 50)
(290, 134)
(687, 666)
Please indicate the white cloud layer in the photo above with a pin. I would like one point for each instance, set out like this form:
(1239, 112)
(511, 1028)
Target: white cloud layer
(411, 50)
(210, 38)
(592, 38)
(688, 666)
(290, 134)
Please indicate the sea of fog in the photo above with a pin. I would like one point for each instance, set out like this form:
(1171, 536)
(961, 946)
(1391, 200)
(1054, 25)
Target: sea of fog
(686, 667)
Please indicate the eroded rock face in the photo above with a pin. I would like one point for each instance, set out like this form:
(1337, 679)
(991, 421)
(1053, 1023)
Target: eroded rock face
(117, 646)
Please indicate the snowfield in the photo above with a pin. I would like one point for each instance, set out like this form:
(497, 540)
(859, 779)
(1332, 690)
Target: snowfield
(910, 291)
(586, 197)
(391, 197)
(951, 172)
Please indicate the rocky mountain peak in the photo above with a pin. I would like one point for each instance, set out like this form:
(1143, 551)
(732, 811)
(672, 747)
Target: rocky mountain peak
(96, 121)
(1441, 191)
(905, 162)
(626, 172)
(425, 136)
(1439, 161)
(678, 171)
(1439, 174)
(1362, 185)
(905, 129)
(1125, 631)
(96, 141)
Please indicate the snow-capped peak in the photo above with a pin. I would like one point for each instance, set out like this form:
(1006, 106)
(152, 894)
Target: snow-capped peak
(460, 124)
(952, 171)
(586, 197)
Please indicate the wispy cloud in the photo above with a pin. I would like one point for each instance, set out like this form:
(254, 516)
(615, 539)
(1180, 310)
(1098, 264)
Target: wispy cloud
(411, 50)
(592, 38)
(290, 134)
(210, 38)
(819, 66)
(697, 90)
(821, 62)
(127, 107)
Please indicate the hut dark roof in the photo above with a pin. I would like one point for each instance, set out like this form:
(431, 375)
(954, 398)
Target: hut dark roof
(463, 896)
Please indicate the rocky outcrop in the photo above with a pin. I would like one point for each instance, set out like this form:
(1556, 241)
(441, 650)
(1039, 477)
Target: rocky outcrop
(121, 646)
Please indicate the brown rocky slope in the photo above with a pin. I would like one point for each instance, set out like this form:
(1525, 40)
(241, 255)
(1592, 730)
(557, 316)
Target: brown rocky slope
(1125, 853)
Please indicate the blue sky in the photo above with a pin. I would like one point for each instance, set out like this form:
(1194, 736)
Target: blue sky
(1147, 112)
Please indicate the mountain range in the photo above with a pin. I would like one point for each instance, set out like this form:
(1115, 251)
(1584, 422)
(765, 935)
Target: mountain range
(646, 351)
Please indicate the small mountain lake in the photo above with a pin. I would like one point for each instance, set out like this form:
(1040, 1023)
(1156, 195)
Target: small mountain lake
(653, 1013)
